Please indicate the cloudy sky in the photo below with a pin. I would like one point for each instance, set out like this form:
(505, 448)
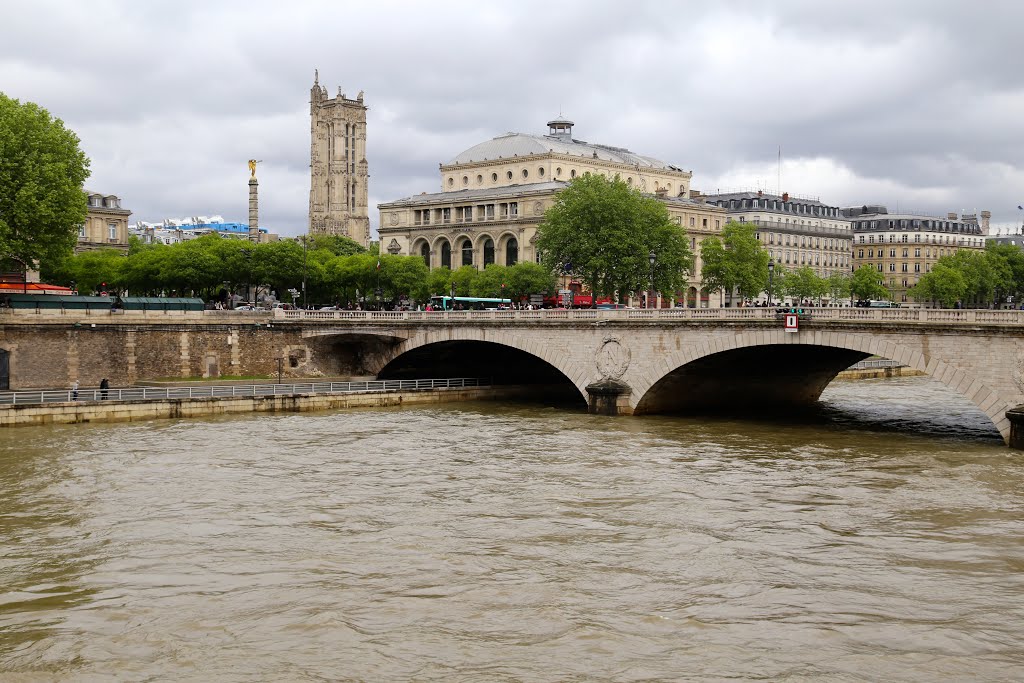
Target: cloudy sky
(919, 104)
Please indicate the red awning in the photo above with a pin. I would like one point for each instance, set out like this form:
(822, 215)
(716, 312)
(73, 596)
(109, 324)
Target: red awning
(34, 288)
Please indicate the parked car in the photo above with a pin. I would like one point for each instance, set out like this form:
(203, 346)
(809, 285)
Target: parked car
(245, 307)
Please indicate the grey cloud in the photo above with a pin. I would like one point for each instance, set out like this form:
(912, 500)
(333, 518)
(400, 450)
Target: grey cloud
(170, 99)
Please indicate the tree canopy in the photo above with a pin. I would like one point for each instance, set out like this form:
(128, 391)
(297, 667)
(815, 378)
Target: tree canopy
(604, 231)
(736, 261)
(804, 283)
(864, 284)
(42, 170)
(974, 278)
(208, 265)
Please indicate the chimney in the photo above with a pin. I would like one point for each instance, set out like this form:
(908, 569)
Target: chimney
(785, 196)
(661, 192)
(951, 215)
(986, 216)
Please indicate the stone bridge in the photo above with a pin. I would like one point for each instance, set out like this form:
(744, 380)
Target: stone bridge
(616, 361)
(670, 361)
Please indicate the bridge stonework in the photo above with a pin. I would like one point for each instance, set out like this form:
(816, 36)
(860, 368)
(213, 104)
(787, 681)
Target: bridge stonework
(984, 365)
(658, 361)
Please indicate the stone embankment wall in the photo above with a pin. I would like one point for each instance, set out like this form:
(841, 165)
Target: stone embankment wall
(876, 373)
(49, 352)
(136, 411)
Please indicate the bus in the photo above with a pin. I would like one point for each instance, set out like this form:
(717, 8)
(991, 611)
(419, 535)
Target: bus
(445, 303)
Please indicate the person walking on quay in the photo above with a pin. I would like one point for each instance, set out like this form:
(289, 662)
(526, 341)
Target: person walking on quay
(74, 390)
(104, 387)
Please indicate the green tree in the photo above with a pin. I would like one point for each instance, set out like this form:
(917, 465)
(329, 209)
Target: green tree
(439, 281)
(864, 284)
(526, 278)
(90, 270)
(336, 244)
(278, 266)
(490, 282)
(192, 267)
(1008, 262)
(837, 286)
(945, 284)
(982, 275)
(320, 286)
(356, 276)
(463, 279)
(41, 174)
(603, 231)
(142, 272)
(403, 276)
(735, 262)
(804, 283)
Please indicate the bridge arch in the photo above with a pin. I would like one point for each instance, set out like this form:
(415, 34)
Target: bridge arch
(573, 372)
(829, 353)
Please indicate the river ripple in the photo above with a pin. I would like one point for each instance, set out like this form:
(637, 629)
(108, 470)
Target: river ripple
(498, 542)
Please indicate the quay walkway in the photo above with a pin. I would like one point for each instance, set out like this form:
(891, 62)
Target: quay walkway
(38, 397)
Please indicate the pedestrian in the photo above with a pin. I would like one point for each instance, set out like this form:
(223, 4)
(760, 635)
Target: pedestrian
(74, 390)
(104, 387)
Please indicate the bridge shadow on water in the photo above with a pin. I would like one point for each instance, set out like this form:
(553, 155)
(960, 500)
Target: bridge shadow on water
(505, 366)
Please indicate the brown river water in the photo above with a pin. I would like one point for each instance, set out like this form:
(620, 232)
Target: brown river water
(881, 540)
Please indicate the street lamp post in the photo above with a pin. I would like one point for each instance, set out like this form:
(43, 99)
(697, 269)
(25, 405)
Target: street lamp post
(771, 271)
(652, 257)
(305, 302)
(451, 302)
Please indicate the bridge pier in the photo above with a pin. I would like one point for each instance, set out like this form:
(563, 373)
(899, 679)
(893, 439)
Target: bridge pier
(608, 397)
(1016, 418)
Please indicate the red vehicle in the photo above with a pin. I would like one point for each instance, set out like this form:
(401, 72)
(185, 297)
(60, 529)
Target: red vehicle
(578, 301)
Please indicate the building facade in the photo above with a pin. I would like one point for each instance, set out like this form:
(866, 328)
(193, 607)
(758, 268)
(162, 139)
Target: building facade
(796, 231)
(902, 247)
(338, 197)
(106, 224)
(494, 195)
(174, 231)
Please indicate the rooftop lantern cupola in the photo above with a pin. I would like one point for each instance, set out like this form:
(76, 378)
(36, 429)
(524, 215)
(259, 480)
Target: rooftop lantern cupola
(560, 128)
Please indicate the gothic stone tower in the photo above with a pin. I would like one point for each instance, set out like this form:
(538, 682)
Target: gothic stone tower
(338, 203)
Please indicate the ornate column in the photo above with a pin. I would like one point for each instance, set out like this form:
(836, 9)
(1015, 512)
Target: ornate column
(254, 221)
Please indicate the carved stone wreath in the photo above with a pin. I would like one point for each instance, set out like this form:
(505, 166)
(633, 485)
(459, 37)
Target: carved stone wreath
(612, 358)
(394, 218)
(538, 208)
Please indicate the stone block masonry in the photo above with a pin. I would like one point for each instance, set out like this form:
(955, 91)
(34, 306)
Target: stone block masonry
(139, 411)
(662, 361)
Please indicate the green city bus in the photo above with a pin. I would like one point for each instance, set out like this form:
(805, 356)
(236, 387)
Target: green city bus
(478, 303)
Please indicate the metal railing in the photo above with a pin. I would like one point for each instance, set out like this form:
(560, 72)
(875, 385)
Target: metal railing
(943, 316)
(240, 391)
(682, 315)
(876, 363)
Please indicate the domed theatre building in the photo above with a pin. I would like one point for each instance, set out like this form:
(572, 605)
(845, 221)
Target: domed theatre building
(494, 195)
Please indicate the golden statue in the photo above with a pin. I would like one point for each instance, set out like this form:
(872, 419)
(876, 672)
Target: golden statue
(252, 167)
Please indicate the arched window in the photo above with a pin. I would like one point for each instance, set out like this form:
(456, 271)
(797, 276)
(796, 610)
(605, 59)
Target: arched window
(467, 253)
(488, 252)
(511, 252)
(425, 253)
(446, 255)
